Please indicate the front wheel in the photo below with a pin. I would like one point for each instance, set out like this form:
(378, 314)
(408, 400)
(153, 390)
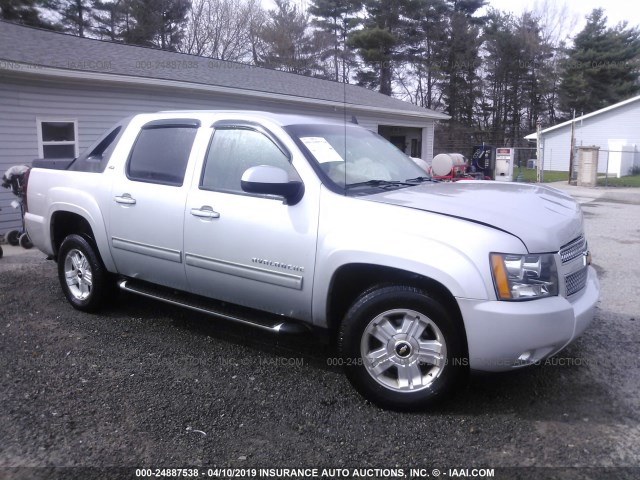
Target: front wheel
(85, 281)
(401, 348)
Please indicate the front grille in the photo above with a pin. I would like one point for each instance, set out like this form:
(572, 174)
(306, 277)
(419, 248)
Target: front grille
(576, 281)
(573, 249)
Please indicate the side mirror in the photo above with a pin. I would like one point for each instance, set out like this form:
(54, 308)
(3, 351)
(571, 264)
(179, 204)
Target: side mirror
(267, 180)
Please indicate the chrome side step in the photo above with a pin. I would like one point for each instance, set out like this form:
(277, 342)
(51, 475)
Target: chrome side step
(235, 313)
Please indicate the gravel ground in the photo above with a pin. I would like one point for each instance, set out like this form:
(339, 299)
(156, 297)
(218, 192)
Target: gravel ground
(147, 385)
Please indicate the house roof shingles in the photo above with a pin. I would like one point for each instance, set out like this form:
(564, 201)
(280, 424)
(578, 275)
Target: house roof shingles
(51, 50)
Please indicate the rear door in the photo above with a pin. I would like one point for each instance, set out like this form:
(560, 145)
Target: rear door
(248, 249)
(148, 201)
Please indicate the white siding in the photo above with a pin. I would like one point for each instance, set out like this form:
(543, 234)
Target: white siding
(556, 146)
(98, 106)
(428, 135)
(618, 124)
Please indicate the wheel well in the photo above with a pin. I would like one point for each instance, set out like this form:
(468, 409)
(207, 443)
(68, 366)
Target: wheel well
(64, 224)
(350, 281)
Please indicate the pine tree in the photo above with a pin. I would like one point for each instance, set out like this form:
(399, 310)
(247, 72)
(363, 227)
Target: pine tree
(110, 18)
(157, 23)
(288, 44)
(601, 67)
(75, 16)
(462, 59)
(425, 41)
(25, 12)
(516, 70)
(379, 43)
(461, 83)
(337, 18)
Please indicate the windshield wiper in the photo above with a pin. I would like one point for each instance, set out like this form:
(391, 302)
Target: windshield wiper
(419, 179)
(379, 183)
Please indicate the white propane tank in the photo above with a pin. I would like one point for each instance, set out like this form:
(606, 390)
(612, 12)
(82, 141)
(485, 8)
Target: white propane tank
(442, 163)
(458, 160)
(421, 163)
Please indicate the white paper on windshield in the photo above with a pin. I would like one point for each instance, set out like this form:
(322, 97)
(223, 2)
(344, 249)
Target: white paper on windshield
(321, 149)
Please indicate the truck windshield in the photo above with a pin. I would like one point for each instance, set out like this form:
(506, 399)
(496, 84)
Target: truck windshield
(355, 159)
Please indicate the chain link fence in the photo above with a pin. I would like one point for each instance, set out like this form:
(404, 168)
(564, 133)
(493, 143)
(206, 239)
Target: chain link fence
(611, 164)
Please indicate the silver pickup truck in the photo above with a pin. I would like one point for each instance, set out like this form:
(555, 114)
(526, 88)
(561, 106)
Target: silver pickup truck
(289, 222)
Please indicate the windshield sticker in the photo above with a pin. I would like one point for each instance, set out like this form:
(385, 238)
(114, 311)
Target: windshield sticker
(321, 149)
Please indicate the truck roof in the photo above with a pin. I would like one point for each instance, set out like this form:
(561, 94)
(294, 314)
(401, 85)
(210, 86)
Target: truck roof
(281, 119)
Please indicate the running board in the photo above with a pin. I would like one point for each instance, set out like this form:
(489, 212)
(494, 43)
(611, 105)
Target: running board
(235, 313)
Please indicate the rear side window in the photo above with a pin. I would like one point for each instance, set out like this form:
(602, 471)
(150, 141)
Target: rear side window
(161, 153)
(232, 151)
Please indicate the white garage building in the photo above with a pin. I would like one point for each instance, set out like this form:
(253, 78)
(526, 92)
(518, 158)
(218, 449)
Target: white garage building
(615, 129)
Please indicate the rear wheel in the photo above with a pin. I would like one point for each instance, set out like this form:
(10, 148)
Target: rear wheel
(1, 252)
(401, 348)
(85, 281)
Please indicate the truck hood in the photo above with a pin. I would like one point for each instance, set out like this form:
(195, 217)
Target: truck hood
(544, 218)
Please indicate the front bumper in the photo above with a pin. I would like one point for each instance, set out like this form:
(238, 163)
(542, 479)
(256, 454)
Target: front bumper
(506, 335)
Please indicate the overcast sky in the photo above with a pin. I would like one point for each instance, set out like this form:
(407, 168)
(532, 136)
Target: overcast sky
(616, 10)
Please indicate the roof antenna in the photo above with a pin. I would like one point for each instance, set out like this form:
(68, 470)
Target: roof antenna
(354, 120)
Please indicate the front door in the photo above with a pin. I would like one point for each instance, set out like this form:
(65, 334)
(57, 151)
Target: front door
(247, 249)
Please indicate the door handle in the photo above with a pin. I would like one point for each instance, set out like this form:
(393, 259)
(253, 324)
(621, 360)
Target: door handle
(204, 212)
(125, 199)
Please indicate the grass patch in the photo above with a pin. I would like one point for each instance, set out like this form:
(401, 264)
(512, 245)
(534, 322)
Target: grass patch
(628, 181)
(529, 175)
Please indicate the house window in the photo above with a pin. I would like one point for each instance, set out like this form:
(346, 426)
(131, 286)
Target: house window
(57, 138)
(416, 147)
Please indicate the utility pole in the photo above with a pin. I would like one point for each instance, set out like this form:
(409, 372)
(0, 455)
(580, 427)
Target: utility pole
(573, 122)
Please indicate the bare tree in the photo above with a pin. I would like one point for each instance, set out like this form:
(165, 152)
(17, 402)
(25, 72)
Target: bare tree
(221, 29)
(288, 42)
(556, 20)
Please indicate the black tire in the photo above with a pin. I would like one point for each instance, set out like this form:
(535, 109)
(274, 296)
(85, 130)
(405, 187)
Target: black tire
(13, 237)
(1, 252)
(78, 255)
(25, 241)
(413, 370)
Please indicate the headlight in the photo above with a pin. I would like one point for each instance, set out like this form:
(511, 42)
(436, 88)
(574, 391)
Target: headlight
(524, 277)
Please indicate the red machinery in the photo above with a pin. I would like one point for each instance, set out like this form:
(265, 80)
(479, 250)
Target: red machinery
(453, 167)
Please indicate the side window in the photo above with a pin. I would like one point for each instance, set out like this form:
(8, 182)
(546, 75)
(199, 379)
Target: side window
(232, 151)
(161, 154)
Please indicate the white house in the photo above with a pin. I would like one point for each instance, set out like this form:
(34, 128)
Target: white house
(615, 129)
(59, 92)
